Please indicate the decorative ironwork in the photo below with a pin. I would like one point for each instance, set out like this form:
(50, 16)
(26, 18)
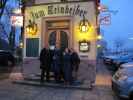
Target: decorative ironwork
(84, 25)
(31, 28)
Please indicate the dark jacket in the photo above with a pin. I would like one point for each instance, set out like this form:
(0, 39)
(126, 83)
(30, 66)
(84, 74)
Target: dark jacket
(45, 58)
(75, 58)
(67, 67)
(57, 60)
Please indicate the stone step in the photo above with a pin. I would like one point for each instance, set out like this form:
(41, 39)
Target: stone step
(36, 78)
(34, 82)
(52, 80)
(39, 74)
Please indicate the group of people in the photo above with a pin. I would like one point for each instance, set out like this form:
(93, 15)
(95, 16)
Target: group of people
(64, 64)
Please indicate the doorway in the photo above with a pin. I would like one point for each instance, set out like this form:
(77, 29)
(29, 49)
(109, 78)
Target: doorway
(58, 38)
(58, 32)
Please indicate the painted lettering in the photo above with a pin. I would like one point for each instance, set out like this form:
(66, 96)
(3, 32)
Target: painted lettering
(51, 10)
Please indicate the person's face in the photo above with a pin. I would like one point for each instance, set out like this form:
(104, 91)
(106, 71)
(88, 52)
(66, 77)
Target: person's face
(66, 50)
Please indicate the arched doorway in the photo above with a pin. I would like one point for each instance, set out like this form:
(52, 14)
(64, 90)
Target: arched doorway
(57, 32)
(58, 38)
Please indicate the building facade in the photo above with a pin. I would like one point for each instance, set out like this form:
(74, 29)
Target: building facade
(60, 23)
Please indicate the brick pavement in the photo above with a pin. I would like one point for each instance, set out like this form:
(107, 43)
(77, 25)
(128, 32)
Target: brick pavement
(102, 90)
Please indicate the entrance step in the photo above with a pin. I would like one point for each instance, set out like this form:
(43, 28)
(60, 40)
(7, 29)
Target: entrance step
(39, 74)
(36, 78)
(35, 81)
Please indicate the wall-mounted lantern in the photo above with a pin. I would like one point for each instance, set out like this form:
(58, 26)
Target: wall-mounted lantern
(84, 25)
(31, 28)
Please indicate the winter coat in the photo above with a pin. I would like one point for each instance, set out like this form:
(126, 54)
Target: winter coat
(67, 67)
(75, 58)
(45, 59)
(57, 61)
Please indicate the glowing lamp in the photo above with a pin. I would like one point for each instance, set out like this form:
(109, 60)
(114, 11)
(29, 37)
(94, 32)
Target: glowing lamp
(84, 28)
(21, 45)
(99, 8)
(31, 28)
(84, 25)
(99, 37)
(98, 46)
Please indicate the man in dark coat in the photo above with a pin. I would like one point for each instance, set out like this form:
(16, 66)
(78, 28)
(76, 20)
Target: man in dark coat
(57, 64)
(45, 64)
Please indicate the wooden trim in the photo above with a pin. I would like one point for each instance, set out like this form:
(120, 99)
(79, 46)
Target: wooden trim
(58, 28)
(58, 39)
(45, 29)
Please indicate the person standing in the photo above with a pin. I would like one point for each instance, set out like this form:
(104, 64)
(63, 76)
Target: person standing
(57, 64)
(75, 61)
(45, 64)
(67, 67)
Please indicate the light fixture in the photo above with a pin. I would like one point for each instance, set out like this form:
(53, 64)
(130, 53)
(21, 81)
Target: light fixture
(84, 25)
(99, 46)
(31, 28)
(102, 8)
(99, 37)
(21, 45)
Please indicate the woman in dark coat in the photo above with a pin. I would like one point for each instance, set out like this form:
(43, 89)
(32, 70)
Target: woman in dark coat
(67, 67)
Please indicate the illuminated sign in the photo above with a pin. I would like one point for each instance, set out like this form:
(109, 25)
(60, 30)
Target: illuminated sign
(105, 19)
(17, 20)
(84, 46)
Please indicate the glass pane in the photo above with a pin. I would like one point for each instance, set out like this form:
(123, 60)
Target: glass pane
(52, 39)
(63, 40)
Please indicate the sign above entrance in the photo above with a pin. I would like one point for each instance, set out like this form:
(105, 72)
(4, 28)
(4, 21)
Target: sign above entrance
(74, 10)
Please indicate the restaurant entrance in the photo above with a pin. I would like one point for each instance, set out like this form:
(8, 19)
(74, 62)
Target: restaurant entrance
(57, 34)
(58, 38)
